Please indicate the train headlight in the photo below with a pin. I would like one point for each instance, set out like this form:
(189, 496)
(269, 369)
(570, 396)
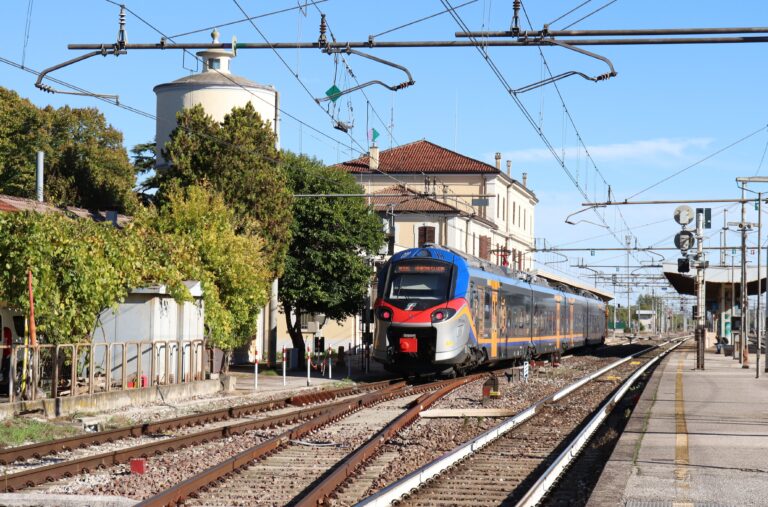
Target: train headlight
(443, 314)
(384, 314)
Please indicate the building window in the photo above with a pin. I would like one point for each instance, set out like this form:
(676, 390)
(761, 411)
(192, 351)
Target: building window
(473, 244)
(214, 63)
(514, 208)
(524, 219)
(426, 235)
(485, 247)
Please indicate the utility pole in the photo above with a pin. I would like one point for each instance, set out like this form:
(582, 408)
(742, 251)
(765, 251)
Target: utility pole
(759, 280)
(700, 292)
(629, 308)
(743, 334)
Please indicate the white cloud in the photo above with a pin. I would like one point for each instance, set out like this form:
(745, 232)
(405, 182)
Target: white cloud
(635, 150)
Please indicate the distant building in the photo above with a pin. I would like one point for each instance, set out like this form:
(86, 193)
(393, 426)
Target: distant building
(647, 319)
(431, 194)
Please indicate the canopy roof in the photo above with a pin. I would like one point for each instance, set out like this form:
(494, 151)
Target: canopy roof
(714, 278)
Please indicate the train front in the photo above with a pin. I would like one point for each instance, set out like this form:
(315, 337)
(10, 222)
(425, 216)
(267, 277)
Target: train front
(423, 323)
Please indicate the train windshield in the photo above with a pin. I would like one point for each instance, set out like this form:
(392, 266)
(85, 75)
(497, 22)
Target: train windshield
(417, 284)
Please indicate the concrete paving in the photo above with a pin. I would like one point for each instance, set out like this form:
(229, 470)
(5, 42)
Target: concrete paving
(695, 438)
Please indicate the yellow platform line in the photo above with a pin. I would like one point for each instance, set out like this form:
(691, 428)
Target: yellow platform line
(681, 433)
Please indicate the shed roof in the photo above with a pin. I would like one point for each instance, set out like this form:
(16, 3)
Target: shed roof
(10, 203)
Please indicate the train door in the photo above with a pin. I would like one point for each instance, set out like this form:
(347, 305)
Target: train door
(502, 320)
(491, 302)
(570, 320)
(558, 302)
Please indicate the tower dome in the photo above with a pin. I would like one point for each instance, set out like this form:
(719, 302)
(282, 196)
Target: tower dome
(217, 90)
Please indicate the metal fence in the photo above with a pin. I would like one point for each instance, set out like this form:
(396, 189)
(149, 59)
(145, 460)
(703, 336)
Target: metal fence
(50, 371)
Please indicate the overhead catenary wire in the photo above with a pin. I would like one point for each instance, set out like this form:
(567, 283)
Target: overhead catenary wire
(582, 4)
(228, 77)
(293, 73)
(590, 14)
(244, 20)
(411, 23)
(502, 79)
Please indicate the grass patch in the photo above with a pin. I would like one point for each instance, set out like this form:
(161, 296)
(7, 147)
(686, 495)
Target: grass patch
(18, 431)
(269, 373)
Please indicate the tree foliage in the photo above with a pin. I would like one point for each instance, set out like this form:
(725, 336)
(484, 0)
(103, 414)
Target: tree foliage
(239, 159)
(81, 267)
(326, 270)
(86, 164)
(195, 232)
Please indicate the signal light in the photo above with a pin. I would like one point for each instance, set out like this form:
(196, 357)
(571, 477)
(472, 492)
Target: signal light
(683, 265)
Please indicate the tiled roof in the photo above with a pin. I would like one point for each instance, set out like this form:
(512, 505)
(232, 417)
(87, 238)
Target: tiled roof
(16, 204)
(420, 157)
(408, 201)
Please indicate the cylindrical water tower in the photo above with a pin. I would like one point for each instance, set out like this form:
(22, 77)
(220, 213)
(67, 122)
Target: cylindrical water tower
(217, 90)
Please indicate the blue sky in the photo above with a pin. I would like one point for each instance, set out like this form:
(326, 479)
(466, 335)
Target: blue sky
(669, 106)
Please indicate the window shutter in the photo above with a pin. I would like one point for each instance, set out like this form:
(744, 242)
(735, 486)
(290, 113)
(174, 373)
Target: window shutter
(426, 235)
(485, 247)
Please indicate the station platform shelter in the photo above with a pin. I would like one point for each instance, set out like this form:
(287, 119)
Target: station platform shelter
(723, 293)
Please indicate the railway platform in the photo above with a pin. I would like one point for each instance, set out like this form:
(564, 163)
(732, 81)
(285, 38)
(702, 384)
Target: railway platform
(694, 438)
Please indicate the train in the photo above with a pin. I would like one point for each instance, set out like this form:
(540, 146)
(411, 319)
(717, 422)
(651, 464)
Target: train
(441, 311)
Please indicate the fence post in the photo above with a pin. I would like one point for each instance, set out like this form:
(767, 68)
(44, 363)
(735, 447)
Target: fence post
(55, 379)
(138, 365)
(12, 375)
(73, 372)
(152, 365)
(179, 364)
(90, 369)
(108, 368)
(124, 369)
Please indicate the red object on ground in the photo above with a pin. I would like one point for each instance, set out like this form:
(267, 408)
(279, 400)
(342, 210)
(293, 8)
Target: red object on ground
(138, 466)
(144, 381)
(409, 345)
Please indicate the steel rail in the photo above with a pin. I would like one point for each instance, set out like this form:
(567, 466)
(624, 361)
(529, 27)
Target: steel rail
(48, 473)
(537, 492)
(321, 492)
(429, 44)
(38, 450)
(215, 474)
(421, 476)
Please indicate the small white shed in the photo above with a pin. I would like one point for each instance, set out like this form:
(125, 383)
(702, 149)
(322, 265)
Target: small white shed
(168, 334)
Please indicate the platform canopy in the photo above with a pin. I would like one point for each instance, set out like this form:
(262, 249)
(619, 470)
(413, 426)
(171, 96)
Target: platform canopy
(552, 277)
(715, 277)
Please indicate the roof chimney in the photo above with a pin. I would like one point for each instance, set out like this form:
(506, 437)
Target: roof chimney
(498, 161)
(525, 180)
(373, 158)
(509, 168)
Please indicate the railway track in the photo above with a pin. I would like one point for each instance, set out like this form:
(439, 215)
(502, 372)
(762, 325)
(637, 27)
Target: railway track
(518, 461)
(31, 474)
(266, 463)
(38, 450)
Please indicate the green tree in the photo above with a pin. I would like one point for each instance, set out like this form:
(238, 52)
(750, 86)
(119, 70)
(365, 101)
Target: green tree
(326, 270)
(79, 268)
(194, 232)
(86, 164)
(239, 159)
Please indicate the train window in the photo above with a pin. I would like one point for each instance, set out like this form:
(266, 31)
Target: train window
(487, 306)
